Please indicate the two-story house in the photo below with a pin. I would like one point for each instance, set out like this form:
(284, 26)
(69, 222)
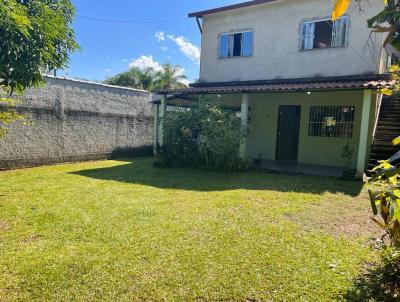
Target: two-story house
(306, 87)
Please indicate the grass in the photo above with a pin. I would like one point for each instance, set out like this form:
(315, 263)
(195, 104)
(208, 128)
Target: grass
(125, 231)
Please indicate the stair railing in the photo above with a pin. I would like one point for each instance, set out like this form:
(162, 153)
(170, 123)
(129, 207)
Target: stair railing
(377, 114)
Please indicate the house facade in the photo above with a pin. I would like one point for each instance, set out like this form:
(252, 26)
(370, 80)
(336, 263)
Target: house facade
(306, 87)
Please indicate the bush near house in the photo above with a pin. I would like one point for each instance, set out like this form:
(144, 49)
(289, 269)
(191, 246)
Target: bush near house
(385, 202)
(203, 136)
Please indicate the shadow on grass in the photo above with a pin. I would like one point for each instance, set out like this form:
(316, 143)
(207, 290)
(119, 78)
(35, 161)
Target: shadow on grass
(141, 171)
(378, 284)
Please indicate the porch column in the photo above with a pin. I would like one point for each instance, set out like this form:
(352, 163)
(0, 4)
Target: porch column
(363, 143)
(162, 110)
(155, 129)
(244, 124)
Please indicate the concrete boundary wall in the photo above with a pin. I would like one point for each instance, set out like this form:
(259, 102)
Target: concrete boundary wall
(75, 120)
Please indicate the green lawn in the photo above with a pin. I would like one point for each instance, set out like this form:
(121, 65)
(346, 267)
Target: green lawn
(125, 231)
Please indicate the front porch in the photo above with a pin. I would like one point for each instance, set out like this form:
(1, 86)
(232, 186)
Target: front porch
(295, 127)
(288, 167)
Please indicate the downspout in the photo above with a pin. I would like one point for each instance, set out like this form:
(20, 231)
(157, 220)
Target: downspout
(199, 24)
(378, 112)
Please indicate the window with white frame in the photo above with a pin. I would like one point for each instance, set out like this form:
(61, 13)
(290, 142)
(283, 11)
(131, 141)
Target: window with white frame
(331, 121)
(324, 34)
(236, 44)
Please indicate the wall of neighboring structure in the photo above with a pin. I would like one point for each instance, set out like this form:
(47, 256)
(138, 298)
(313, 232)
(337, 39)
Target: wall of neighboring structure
(75, 120)
(276, 55)
(312, 150)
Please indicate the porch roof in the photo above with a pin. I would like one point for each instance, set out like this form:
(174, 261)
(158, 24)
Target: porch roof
(375, 81)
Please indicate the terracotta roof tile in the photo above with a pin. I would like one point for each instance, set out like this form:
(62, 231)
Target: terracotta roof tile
(290, 85)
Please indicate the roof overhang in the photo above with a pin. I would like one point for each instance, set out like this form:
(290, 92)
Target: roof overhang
(358, 82)
(203, 13)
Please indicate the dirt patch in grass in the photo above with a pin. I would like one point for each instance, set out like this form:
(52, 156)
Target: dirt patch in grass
(31, 238)
(4, 226)
(339, 217)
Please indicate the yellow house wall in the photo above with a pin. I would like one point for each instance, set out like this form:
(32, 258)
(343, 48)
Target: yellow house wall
(312, 150)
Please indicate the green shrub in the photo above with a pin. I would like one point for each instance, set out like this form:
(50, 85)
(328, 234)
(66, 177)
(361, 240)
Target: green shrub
(385, 197)
(203, 136)
(385, 202)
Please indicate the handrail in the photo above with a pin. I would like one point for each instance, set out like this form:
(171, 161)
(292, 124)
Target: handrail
(377, 114)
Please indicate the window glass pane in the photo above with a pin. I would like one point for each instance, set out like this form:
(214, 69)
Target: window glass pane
(247, 47)
(224, 46)
(237, 44)
(323, 34)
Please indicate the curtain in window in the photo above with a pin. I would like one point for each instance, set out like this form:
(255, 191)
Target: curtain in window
(339, 32)
(308, 35)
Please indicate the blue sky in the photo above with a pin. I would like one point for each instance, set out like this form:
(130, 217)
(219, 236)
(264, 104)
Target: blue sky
(110, 47)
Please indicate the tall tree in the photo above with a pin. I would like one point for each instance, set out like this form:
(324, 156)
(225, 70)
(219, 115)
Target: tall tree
(148, 79)
(36, 37)
(170, 77)
(134, 78)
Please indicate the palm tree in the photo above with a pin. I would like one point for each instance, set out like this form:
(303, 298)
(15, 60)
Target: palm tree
(170, 77)
(135, 78)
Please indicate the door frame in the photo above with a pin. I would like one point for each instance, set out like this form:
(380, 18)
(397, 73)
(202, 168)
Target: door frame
(298, 133)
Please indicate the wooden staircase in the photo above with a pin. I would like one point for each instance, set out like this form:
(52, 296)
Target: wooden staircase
(388, 128)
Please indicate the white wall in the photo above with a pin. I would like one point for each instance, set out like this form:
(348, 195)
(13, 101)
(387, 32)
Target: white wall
(276, 43)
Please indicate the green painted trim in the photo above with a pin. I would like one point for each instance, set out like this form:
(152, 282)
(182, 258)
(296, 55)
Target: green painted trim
(162, 112)
(363, 144)
(155, 129)
(244, 124)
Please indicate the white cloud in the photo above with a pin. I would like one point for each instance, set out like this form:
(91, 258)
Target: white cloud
(108, 70)
(185, 81)
(125, 60)
(160, 36)
(164, 48)
(181, 71)
(144, 62)
(187, 48)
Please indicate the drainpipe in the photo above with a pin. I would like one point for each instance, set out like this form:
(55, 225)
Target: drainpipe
(378, 112)
(199, 25)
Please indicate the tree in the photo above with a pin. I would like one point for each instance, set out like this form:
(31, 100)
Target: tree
(169, 77)
(135, 78)
(36, 37)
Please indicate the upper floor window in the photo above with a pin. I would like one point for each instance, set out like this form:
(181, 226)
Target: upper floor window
(324, 34)
(236, 44)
